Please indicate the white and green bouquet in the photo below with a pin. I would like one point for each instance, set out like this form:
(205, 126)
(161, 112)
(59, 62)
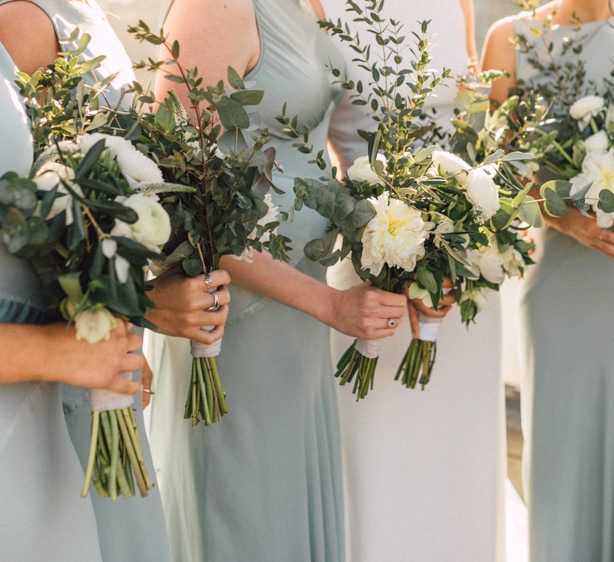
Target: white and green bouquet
(89, 221)
(411, 215)
(226, 208)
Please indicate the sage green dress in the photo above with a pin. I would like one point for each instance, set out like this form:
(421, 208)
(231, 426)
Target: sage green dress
(264, 485)
(568, 392)
(134, 529)
(42, 516)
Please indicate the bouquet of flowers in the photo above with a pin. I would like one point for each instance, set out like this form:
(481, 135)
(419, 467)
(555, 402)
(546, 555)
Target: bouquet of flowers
(411, 215)
(227, 209)
(89, 222)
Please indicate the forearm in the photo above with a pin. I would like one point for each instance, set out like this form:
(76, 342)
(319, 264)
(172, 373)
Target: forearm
(282, 283)
(25, 351)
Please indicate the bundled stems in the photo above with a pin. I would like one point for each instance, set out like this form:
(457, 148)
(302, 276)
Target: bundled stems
(417, 363)
(206, 397)
(354, 364)
(115, 458)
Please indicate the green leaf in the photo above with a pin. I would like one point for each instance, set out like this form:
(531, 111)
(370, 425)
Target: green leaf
(114, 209)
(554, 193)
(606, 201)
(530, 212)
(192, 267)
(248, 97)
(427, 280)
(234, 79)
(71, 285)
(90, 159)
(233, 115)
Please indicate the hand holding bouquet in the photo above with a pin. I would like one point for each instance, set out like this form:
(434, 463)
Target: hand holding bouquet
(410, 214)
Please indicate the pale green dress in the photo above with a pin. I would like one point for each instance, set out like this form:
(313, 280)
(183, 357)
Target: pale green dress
(42, 516)
(568, 392)
(129, 530)
(264, 485)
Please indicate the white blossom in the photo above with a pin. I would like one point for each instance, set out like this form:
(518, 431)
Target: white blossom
(361, 170)
(94, 325)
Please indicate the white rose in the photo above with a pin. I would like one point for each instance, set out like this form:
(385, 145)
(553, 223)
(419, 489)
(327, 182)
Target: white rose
(395, 236)
(361, 170)
(52, 175)
(135, 166)
(598, 142)
(489, 262)
(450, 164)
(588, 106)
(153, 227)
(597, 174)
(95, 325)
(483, 192)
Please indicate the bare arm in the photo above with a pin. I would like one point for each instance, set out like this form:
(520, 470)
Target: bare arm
(469, 14)
(499, 54)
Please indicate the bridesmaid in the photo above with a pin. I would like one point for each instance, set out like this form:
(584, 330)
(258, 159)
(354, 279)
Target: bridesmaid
(567, 311)
(135, 529)
(264, 485)
(42, 516)
(398, 444)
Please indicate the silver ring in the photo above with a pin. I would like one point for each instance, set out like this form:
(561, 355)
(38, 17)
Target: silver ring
(216, 303)
(148, 391)
(391, 323)
(208, 279)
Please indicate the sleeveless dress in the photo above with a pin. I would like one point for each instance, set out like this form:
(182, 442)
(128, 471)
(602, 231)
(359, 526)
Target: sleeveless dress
(264, 485)
(42, 516)
(424, 471)
(128, 529)
(568, 388)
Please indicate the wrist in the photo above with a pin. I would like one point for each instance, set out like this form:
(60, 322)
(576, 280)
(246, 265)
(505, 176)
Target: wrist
(326, 305)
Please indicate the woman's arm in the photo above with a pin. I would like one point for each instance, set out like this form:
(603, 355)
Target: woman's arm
(469, 15)
(500, 54)
(52, 354)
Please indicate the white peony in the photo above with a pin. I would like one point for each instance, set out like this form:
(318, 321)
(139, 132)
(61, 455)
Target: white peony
(450, 164)
(52, 175)
(585, 108)
(598, 142)
(95, 325)
(361, 170)
(395, 236)
(271, 216)
(153, 227)
(135, 166)
(483, 192)
(598, 175)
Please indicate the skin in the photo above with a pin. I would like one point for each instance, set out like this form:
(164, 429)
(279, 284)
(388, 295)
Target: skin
(181, 301)
(206, 42)
(499, 54)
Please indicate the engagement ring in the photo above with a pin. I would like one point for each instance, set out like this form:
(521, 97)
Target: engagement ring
(216, 303)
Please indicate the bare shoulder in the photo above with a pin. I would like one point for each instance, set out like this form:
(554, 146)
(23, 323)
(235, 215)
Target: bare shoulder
(27, 33)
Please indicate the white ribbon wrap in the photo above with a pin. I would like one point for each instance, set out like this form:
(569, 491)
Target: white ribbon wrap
(370, 349)
(206, 349)
(105, 400)
(429, 328)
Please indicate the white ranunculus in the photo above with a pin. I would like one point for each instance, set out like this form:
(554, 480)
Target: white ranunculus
(483, 192)
(136, 167)
(477, 296)
(361, 170)
(52, 175)
(489, 261)
(598, 142)
(153, 227)
(94, 325)
(598, 174)
(271, 216)
(450, 164)
(586, 107)
(395, 236)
